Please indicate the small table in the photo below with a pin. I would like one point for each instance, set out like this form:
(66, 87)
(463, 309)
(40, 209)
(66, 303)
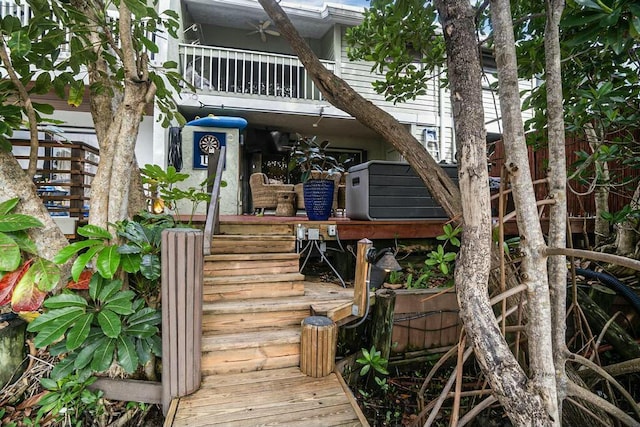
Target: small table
(286, 203)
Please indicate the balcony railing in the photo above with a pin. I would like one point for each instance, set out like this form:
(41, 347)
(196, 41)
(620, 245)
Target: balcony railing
(238, 71)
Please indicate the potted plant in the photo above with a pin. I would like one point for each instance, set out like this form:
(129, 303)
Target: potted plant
(318, 175)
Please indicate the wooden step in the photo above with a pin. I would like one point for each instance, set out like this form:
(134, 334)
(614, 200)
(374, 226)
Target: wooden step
(253, 314)
(240, 244)
(257, 229)
(241, 264)
(250, 351)
(272, 286)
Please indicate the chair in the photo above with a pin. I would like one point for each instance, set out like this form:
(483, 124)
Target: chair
(265, 195)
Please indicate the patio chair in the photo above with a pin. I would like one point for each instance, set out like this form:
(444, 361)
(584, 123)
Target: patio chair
(263, 194)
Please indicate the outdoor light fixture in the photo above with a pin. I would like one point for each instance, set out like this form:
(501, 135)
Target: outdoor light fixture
(368, 257)
(384, 260)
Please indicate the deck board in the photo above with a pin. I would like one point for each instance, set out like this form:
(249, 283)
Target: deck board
(279, 397)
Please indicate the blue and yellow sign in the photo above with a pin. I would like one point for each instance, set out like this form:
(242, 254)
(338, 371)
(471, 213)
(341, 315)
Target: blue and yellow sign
(205, 143)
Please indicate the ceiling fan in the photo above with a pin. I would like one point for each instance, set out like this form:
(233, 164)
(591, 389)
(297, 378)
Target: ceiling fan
(262, 28)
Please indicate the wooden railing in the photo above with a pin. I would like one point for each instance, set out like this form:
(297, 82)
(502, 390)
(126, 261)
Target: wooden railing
(215, 168)
(64, 175)
(239, 71)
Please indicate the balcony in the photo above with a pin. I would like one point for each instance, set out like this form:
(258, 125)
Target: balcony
(236, 71)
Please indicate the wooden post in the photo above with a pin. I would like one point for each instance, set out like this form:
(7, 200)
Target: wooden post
(361, 281)
(182, 269)
(318, 346)
(382, 323)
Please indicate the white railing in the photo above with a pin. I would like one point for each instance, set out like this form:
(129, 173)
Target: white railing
(239, 71)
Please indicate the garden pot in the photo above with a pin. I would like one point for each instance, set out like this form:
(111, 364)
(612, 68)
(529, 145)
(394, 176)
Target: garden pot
(318, 198)
(12, 348)
(425, 319)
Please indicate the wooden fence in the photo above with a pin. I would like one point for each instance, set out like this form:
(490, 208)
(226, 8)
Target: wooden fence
(580, 202)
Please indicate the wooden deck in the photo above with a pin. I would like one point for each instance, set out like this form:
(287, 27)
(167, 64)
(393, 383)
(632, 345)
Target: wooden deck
(349, 229)
(278, 397)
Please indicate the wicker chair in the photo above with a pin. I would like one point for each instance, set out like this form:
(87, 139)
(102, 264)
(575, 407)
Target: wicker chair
(265, 195)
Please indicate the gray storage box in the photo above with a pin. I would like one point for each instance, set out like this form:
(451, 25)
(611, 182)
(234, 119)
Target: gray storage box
(379, 190)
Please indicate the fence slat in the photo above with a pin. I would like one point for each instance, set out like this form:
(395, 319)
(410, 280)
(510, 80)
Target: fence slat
(182, 262)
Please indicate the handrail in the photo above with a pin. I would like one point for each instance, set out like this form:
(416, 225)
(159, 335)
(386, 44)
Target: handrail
(211, 224)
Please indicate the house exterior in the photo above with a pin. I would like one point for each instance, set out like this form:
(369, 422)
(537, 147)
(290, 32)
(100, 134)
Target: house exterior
(238, 66)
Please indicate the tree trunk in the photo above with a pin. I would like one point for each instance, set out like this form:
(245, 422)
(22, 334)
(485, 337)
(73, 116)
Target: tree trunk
(628, 231)
(15, 183)
(116, 114)
(507, 379)
(557, 265)
(601, 192)
(542, 386)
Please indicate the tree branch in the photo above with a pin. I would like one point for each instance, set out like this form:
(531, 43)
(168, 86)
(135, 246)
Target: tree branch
(575, 390)
(596, 256)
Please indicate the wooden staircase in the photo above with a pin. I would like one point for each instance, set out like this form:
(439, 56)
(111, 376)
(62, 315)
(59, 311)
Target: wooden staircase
(254, 302)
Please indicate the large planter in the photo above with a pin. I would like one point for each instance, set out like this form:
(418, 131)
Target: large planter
(318, 198)
(425, 319)
(12, 348)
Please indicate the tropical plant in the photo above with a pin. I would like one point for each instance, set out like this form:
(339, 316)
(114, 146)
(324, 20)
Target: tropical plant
(163, 191)
(372, 362)
(440, 260)
(68, 401)
(309, 156)
(110, 324)
(25, 278)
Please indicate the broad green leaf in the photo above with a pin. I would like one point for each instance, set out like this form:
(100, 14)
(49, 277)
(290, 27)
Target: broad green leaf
(127, 357)
(79, 332)
(24, 242)
(142, 330)
(43, 84)
(108, 262)
(146, 315)
(8, 205)
(150, 266)
(86, 354)
(155, 343)
(76, 93)
(63, 368)
(143, 348)
(10, 24)
(43, 108)
(129, 249)
(110, 323)
(48, 383)
(103, 356)
(120, 303)
(52, 316)
(67, 252)
(130, 262)
(65, 300)
(53, 329)
(170, 64)
(15, 222)
(19, 43)
(81, 262)
(47, 274)
(11, 257)
(109, 289)
(94, 232)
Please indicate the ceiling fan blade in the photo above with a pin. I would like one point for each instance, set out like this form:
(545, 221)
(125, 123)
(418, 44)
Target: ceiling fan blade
(266, 24)
(272, 32)
(263, 36)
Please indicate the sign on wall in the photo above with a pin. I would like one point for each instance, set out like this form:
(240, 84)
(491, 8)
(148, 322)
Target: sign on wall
(205, 143)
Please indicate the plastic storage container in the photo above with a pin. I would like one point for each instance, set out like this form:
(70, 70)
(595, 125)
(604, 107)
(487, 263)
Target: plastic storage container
(383, 190)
